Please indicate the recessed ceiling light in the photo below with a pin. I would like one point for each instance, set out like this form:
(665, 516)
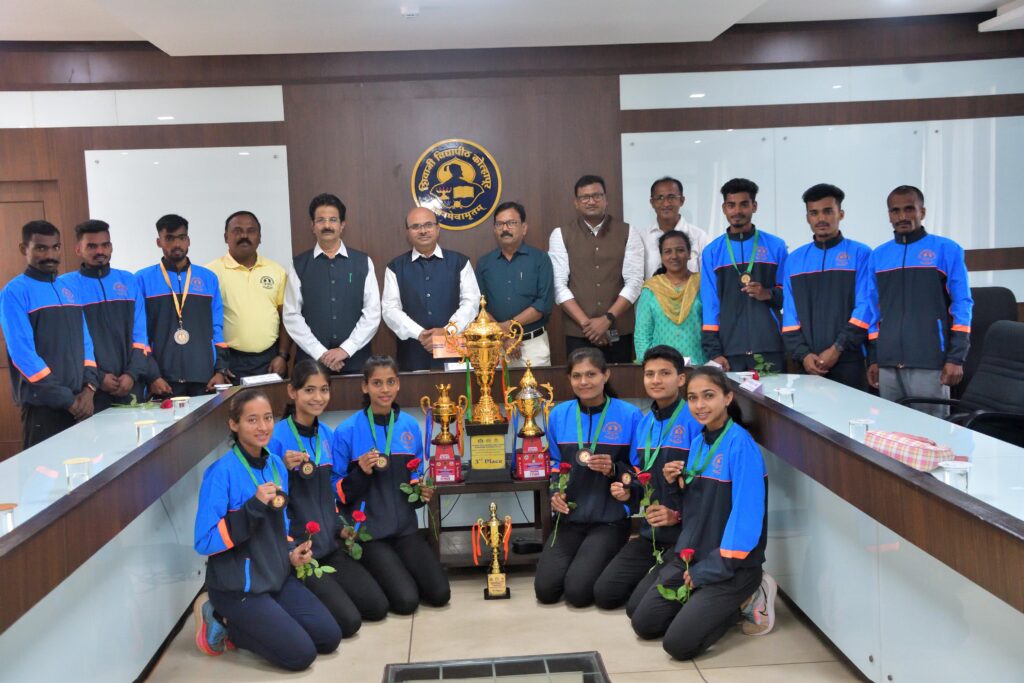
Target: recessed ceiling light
(156, 163)
(836, 86)
(124, 154)
(696, 95)
(728, 130)
(696, 142)
(165, 118)
(243, 154)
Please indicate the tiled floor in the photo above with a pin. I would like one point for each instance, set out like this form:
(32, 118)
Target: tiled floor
(473, 627)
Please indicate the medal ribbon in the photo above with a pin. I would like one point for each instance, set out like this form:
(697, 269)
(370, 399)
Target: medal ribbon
(387, 435)
(179, 307)
(753, 252)
(708, 454)
(245, 464)
(298, 440)
(651, 458)
(600, 424)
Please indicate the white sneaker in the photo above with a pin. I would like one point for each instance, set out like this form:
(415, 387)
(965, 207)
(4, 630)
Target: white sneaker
(759, 616)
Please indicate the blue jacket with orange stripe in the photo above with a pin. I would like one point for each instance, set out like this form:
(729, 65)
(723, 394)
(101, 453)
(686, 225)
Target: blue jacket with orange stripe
(48, 343)
(725, 507)
(735, 323)
(920, 290)
(116, 315)
(246, 539)
(203, 316)
(827, 299)
(389, 514)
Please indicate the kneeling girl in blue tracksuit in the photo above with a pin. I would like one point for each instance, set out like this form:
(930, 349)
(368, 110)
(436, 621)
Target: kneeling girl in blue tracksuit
(375, 452)
(243, 526)
(304, 443)
(724, 499)
(592, 436)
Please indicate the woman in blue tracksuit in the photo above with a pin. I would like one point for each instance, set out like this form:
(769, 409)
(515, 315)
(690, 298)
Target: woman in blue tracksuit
(376, 451)
(304, 443)
(593, 435)
(724, 498)
(241, 524)
(662, 436)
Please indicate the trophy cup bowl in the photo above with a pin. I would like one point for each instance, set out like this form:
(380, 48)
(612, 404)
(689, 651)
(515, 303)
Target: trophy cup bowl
(530, 402)
(444, 411)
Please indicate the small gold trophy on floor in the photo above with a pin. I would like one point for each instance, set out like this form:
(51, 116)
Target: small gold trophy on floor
(491, 533)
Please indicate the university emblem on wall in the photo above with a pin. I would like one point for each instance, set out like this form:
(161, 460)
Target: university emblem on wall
(459, 180)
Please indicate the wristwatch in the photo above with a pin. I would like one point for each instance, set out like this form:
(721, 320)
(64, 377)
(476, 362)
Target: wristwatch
(611, 317)
(285, 355)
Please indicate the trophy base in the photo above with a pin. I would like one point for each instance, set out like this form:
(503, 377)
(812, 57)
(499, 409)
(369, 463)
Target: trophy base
(497, 588)
(487, 458)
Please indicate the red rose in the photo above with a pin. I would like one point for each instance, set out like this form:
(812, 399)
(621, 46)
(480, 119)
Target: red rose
(412, 464)
(312, 528)
(644, 478)
(756, 376)
(686, 555)
(359, 516)
(565, 467)
(166, 403)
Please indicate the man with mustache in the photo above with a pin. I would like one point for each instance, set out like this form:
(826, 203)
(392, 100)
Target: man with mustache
(184, 318)
(741, 287)
(667, 199)
(252, 289)
(922, 299)
(518, 282)
(332, 304)
(115, 312)
(53, 370)
(826, 295)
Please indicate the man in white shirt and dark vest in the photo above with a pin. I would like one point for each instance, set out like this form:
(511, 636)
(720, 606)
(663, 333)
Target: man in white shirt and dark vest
(331, 303)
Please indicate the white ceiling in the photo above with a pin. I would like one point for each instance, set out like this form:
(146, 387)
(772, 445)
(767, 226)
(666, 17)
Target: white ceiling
(208, 27)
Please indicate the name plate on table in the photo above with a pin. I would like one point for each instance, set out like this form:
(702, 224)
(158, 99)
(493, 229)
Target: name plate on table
(268, 378)
(487, 458)
(753, 386)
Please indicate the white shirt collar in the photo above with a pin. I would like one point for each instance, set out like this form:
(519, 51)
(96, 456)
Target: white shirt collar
(342, 251)
(437, 252)
(595, 228)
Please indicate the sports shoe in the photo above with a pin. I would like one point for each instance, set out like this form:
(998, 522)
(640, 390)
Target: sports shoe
(759, 615)
(211, 636)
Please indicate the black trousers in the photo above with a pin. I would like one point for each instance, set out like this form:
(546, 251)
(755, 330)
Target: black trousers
(245, 364)
(617, 585)
(746, 362)
(851, 373)
(39, 423)
(693, 627)
(350, 594)
(619, 352)
(288, 628)
(407, 570)
(186, 389)
(571, 566)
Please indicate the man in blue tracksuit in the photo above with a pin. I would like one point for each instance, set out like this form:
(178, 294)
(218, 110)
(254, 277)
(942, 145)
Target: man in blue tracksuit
(741, 287)
(922, 298)
(826, 295)
(115, 313)
(53, 370)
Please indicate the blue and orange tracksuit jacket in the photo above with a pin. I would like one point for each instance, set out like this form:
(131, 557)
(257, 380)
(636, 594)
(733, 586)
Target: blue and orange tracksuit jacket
(310, 500)
(675, 439)
(590, 490)
(920, 291)
(203, 315)
(389, 514)
(116, 315)
(827, 299)
(245, 539)
(736, 324)
(725, 508)
(48, 343)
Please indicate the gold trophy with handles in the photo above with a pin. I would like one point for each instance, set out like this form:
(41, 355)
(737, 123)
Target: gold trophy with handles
(532, 461)
(445, 466)
(493, 536)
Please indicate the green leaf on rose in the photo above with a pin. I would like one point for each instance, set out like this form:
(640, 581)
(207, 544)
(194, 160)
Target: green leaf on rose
(405, 488)
(357, 551)
(413, 497)
(327, 569)
(666, 593)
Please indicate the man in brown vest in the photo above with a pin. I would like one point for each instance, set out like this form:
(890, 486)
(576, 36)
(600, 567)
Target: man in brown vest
(599, 270)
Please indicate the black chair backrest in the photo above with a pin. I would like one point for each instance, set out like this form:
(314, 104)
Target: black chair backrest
(998, 383)
(990, 305)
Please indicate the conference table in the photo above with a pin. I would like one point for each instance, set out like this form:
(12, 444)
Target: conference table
(910, 577)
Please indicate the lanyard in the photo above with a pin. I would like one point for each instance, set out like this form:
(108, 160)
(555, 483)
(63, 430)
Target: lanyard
(600, 425)
(388, 434)
(708, 454)
(298, 440)
(245, 464)
(753, 252)
(178, 306)
(651, 458)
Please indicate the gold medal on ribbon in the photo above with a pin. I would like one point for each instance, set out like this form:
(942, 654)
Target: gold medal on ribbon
(307, 469)
(583, 456)
(181, 336)
(382, 462)
(745, 278)
(626, 478)
(279, 500)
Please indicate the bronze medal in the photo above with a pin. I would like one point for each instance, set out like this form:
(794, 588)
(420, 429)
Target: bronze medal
(382, 462)
(307, 469)
(745, 278)
(181, 336)
(279, 500)
(626, 478)
(583, 456)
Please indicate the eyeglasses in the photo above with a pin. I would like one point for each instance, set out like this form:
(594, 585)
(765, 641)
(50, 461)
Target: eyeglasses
(332, 220)
(508, 224)
(430, 225)
(587, 198)
(668, 197)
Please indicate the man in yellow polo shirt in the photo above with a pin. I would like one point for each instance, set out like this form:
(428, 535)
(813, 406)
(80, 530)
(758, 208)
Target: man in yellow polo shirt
(252, 288)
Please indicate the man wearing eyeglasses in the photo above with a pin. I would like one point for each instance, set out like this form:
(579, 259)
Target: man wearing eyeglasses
(598, 264)
(424, 289)
(331, 302)
(667, 199)
(518, 282)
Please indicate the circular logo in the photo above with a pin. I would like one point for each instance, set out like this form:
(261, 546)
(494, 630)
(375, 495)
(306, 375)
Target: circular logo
(267, 282)
(68, 294)
(459, 181)
(197, 283)
(927, 256)
(120, 288)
